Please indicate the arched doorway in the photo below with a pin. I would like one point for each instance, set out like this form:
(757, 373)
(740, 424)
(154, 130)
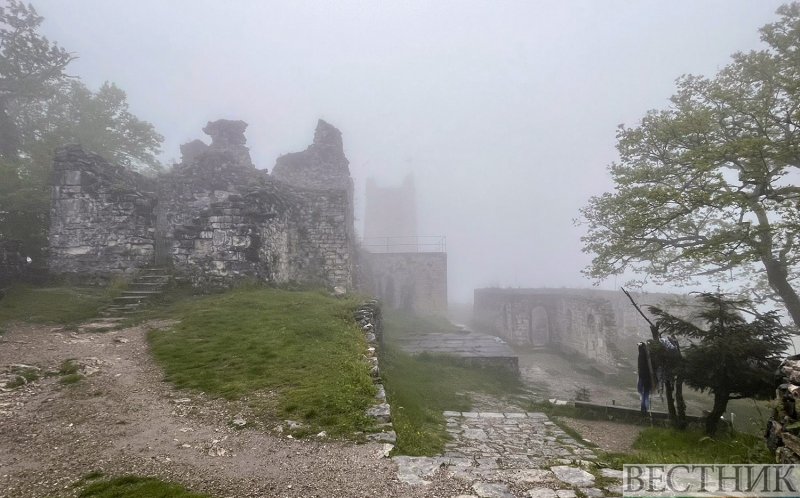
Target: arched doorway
(539, 332)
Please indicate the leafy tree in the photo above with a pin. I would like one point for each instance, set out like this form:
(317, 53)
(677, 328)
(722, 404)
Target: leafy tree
(731, 358)
(99, 121)
(41, 108)
(705, 187)
(29, 67)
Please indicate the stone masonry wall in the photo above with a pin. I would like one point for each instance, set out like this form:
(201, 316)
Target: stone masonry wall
(320, 176)
(600, 325)
(325, 236)
(783, 428)
(102, 217)
(570, 322)
(217, 218)
(415, 282)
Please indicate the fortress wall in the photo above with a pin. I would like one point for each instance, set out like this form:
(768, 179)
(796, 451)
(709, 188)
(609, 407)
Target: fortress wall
(102, 219)
(414, 282)
(215, 218)
(599, 325)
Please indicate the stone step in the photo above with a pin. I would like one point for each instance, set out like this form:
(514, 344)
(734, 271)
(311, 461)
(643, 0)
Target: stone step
(143, 293)
(149, 283)
(129, 299)
(122, 306)
(152, 278)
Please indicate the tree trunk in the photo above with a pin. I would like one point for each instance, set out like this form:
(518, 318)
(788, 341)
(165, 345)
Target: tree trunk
(777, 274)
(668, 388)
(778, 280)
(9, 135)
(720, 404)
(681, 404)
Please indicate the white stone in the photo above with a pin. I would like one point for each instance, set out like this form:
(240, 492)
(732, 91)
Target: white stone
(573, 475)
(565, 493)
(611, 473)
(541, 493)
(492, 490)
(592, 492)
(478, 434)
(490, 415)
(293, 424)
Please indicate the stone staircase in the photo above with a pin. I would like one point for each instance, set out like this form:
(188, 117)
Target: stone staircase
(148, 284)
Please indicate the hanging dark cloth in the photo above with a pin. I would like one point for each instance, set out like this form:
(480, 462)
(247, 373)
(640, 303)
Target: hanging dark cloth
(645, 384)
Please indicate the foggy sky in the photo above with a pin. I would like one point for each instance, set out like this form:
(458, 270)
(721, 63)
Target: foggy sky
(505, 112)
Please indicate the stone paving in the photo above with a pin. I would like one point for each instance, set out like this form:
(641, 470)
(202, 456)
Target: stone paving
(510, 455)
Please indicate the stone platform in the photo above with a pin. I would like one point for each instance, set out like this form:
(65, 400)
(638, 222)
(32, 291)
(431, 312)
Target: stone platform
(471, 348)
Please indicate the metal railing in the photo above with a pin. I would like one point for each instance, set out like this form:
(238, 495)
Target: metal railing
(416, 243)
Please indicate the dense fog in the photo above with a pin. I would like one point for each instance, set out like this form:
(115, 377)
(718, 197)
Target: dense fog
(505, 113)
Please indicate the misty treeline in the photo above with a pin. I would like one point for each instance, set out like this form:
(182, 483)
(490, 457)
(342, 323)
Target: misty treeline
(43, 107)
(706, 188)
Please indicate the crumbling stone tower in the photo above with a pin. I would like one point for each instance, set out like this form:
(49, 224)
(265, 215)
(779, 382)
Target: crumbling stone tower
(214, 218)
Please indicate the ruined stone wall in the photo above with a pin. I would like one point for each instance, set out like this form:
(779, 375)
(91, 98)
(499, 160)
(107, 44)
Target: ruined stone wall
(102, 219)
(241, 236)
(325, 237)
(783, 427)
(320, 177)
(218, 219)
(415, 282)
(12, 263)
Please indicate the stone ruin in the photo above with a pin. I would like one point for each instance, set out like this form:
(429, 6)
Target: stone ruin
(783, 428)
(214, 218)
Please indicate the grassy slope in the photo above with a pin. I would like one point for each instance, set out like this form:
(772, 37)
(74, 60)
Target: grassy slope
(303, 346)
(421, 387)
(136, 487)
(62, 305)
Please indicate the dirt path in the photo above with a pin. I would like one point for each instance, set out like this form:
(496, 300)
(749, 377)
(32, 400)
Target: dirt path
(124, 419)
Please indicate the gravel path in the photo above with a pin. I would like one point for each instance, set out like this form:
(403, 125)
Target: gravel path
(124, 419)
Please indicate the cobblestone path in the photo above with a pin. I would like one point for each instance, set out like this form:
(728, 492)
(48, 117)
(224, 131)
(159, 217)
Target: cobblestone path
(511, 455)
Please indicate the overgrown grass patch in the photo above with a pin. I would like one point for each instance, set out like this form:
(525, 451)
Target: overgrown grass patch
(62, 305)
(25, 374)
(421, 387)
(136, 487)
(301, 350)
(663, 445)
(68, 379)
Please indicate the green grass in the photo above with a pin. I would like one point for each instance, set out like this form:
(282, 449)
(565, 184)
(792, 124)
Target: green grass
(24, 376)
(294, 355)
(61, 305)
(662, 445)
(421, 387)
(136, 487)
(71, 379)
(69, 367)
